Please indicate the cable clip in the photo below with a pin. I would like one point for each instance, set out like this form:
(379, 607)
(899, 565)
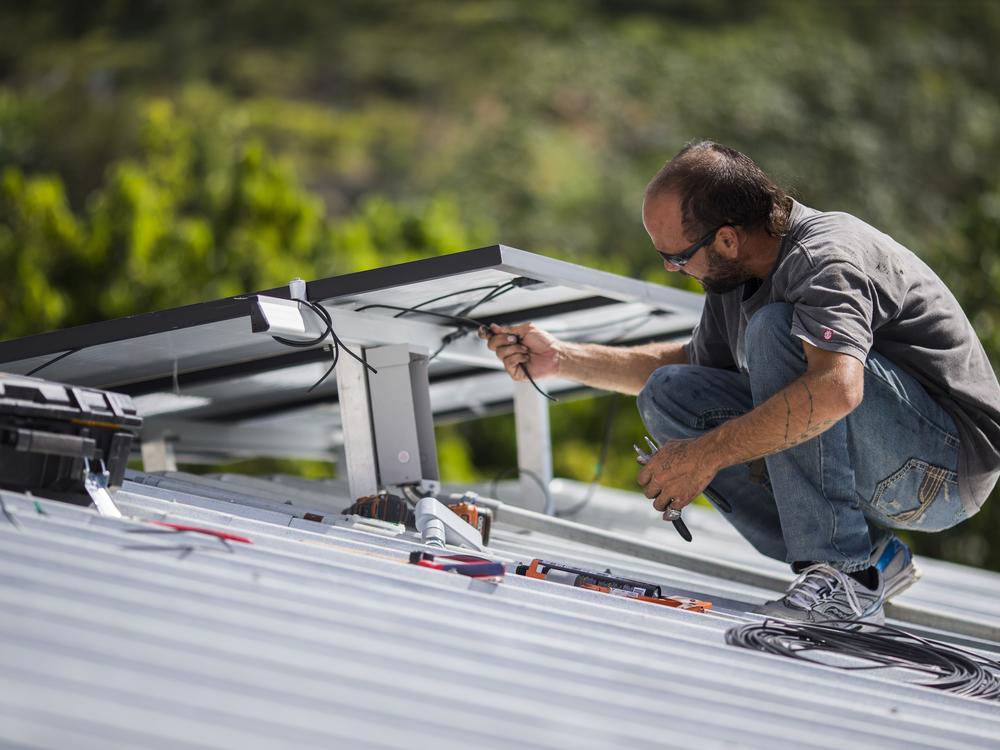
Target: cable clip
(297, 290)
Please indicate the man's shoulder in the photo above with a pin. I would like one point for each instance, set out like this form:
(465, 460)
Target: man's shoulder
(820, 238)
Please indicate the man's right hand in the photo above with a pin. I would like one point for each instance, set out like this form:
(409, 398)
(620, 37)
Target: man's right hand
(524, 344)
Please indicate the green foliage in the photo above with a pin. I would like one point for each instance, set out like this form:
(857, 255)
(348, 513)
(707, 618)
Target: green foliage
(154, 154)
(197, 212)
(39, 239)
(262, 466)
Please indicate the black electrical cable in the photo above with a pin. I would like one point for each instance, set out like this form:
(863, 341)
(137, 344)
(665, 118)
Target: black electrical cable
(333, 366)
(530, 474)
(453, 336)
(335, 348)
(602, 456)
(469, 323)
(491, 287)
(495, 291)
(534, 385)
(460, 320)
(324, 316)
(951, 668)
(463, 322)
(503, 289)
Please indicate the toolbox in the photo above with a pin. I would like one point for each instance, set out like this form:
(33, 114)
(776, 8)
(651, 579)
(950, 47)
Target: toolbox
(62, 441)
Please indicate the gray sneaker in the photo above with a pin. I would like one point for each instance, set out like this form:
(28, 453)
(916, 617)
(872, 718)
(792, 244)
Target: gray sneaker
(821, 592)
(894, 561)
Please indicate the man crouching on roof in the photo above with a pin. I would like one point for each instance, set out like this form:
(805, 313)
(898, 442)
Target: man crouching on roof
(833, 389)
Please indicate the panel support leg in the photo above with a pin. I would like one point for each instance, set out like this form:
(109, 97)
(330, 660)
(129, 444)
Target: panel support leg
(355, 416)
(534, 443)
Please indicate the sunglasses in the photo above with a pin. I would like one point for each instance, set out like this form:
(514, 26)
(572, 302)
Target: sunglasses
(681, 259)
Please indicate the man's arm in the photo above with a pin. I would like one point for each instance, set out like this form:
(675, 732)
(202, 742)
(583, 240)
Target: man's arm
(829, 390)
(611, 368)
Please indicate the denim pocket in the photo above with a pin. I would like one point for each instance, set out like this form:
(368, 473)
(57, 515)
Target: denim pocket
(905, 498)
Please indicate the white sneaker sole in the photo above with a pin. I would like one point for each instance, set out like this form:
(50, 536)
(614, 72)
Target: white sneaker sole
(903, 582)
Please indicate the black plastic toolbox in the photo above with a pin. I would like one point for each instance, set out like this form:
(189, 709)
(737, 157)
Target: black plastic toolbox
(52, 435)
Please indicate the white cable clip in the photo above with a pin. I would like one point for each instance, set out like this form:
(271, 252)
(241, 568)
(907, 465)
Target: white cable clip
(297, 289)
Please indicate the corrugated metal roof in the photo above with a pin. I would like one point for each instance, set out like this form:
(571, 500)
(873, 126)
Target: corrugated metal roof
(321, 635)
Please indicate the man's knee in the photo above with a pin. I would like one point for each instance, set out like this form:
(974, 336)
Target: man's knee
(661, 387)
(657, 400)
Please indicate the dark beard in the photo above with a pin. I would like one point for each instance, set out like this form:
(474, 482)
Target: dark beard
(723, 275)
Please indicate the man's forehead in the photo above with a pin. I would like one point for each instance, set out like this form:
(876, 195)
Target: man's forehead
(662, 215)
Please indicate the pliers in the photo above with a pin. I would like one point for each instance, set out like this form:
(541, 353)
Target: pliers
(670, 514)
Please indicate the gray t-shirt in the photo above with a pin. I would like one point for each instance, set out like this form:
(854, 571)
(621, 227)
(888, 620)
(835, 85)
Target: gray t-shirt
(854, 290)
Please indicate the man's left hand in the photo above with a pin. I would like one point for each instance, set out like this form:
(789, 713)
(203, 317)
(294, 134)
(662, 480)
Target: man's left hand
(679, 470)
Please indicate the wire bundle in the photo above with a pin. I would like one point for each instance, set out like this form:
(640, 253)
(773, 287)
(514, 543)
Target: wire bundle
(952, 669)
(464, 323)
(337, 343)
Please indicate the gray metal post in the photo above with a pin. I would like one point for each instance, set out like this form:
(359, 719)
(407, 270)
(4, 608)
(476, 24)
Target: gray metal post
(534, 442)
(359, 450)
(158, 454)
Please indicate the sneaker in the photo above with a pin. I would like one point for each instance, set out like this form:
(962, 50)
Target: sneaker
(821, 592)
(894, 561)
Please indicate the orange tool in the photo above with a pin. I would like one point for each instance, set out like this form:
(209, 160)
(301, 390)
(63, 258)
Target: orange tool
(608, 584)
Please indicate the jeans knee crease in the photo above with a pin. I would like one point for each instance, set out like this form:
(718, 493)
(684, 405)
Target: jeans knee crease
(715, 417)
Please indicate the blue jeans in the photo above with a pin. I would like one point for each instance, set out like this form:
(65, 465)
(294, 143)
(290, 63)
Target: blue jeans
(891, 463)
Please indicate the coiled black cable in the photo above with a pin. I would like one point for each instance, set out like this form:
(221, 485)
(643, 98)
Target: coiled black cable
(952, 669)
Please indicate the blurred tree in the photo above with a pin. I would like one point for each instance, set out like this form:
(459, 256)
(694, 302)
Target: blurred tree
(969, 261)
(39, 239)
(193, 215)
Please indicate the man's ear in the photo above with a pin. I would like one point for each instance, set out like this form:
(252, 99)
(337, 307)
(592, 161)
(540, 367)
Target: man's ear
(727, 242)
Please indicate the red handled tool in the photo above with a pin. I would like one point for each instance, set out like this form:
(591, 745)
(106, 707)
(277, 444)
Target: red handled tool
(466, 565)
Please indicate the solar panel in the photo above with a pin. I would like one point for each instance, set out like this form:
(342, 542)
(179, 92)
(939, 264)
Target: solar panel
(200, 374)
